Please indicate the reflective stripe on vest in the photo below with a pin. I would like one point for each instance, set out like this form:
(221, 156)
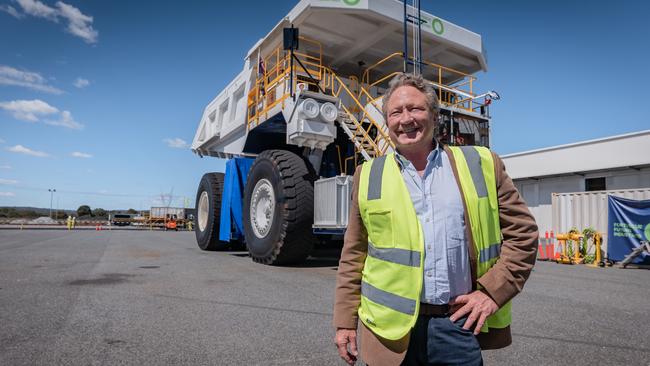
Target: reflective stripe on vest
(397, 303)
(376, 173)
(395, 255)
(474, 164)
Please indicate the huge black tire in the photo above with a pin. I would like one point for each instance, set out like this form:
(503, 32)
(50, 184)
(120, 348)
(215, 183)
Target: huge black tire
(279, 209)
(208, 212)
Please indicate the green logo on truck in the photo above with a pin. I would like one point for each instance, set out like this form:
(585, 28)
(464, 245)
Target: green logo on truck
(647, 232)
(436, 25)
(351, 2)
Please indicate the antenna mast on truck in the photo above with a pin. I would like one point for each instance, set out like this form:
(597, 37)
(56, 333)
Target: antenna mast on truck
(416, 25)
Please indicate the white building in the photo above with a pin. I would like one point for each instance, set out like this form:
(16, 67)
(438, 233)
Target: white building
(613, 163)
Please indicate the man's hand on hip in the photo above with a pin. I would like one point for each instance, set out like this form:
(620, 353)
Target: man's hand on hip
(343, 338)
(477, 304)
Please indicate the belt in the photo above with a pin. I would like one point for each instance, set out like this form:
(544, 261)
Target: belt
(429, 309)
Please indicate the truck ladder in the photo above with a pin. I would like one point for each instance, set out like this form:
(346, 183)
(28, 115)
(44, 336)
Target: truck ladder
(358, 126)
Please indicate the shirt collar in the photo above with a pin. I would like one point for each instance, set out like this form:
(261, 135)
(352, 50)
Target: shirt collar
(403, 162)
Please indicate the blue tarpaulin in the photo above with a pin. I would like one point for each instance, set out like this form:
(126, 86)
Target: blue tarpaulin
(628, 225)
(232, 225)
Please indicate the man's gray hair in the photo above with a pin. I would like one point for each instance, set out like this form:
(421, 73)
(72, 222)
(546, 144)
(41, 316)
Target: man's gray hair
(416, 81)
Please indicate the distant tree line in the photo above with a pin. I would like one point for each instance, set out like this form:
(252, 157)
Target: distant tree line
(86, 211)
(11, 212)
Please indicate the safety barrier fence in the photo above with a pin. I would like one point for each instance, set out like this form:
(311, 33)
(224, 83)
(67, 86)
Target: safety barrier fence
(572, 248)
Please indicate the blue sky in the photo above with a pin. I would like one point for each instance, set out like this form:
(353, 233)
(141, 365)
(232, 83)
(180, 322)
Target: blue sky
(94, 95)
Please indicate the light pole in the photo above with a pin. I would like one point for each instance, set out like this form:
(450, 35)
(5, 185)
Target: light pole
(51, 198)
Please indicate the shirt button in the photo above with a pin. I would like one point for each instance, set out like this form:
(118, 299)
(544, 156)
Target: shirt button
(428, 219)
(428, 274)
(429, 247)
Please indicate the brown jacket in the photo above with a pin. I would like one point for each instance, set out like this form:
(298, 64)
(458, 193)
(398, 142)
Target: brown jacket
(502, 282)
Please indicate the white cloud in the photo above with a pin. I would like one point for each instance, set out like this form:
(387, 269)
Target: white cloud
(79, 24)
(176, 143)
(7, 194)
(8, 181)
(26, 79)
(78, 154)
(12, 11)
(2, 141)
(20, 149)
(65, 120)
(81, 83)
(35, 110)
(38, 9)
(5, 167)
(28, 110)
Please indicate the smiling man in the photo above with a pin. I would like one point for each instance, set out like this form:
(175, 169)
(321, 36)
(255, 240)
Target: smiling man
(438, 243)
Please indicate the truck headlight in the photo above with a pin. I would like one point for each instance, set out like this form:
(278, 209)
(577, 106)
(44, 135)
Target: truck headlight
(309, 108)
(329, 112)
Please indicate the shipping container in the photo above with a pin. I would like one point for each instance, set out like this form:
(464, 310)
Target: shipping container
(163, 212)
(588, 209)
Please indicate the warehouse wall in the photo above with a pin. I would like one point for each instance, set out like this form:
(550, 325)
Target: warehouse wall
(629, 179)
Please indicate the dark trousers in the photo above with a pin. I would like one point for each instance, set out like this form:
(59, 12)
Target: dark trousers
(435, 340)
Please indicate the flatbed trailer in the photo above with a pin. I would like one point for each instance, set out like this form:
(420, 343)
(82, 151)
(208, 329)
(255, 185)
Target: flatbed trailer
(306, 110)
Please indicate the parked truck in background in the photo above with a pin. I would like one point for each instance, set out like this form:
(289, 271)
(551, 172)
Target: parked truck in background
(120, 219)
(306, 110)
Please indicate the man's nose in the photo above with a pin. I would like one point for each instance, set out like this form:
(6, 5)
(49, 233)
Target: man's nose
(406, 117)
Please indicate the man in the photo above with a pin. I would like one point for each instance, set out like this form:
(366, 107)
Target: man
(438, 243)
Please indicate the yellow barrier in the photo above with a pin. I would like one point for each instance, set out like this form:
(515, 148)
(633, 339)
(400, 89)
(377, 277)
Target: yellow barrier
(564, 257)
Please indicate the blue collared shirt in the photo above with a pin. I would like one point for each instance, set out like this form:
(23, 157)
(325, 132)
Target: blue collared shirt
(439, 207)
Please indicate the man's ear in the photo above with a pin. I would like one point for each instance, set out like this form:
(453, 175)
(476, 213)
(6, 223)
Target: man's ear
(436, 119)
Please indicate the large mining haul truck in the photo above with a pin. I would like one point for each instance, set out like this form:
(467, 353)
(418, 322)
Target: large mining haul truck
(306, 110)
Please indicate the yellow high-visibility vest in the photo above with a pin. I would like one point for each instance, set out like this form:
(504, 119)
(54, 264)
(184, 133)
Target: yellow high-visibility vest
(393, 272)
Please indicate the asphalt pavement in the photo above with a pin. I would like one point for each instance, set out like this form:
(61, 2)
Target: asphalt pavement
(154, 298)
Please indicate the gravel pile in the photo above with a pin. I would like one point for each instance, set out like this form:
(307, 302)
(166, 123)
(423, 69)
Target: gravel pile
(43, 221)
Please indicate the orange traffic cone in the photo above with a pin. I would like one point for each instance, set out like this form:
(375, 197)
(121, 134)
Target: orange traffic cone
(541, 253)
(550, 247)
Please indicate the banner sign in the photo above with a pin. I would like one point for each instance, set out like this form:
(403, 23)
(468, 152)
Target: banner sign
(628, 225)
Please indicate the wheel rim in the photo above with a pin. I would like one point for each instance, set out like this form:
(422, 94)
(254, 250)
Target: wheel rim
(204, 206)
(262, 208)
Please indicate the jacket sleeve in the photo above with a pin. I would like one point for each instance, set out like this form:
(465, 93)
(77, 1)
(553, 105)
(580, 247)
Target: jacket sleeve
(519, 247)
(347, 296)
